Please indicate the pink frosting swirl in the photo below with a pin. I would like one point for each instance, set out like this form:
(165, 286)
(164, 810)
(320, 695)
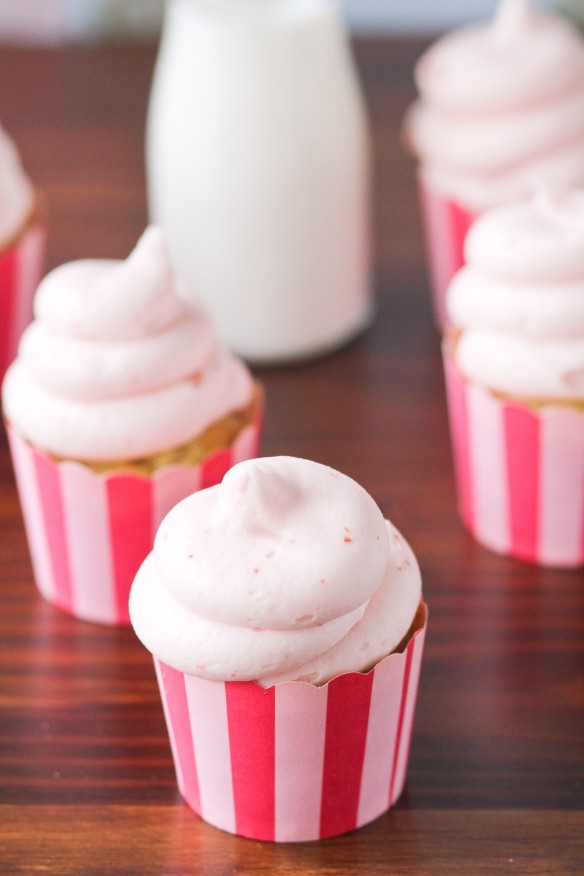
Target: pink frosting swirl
(519, 302)
(115, 365)
(285, 570)
(501, 107)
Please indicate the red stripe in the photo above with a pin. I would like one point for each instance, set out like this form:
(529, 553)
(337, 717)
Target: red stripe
(215, 468)
(522, 443)
(347, 718)
(47, 473)
(460, 222)
(402, 713)
(252, 742)
(130, 503)
(8, 272)
(178, 713)
(460, 442)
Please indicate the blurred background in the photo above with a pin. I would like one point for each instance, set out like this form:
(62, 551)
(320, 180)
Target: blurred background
(36, 21)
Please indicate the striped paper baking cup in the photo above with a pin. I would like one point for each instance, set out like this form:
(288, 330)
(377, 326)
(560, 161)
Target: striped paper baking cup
(445, 225)
(294, 762)
(519, 473)
(21, 267)
(88, 533)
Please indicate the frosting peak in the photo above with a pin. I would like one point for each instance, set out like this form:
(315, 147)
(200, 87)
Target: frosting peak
(256, 498)
(511, 17)
(115, 366)
(269, 570)
(113, 300)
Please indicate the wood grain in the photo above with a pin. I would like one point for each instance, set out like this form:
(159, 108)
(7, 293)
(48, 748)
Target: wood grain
(496, 771)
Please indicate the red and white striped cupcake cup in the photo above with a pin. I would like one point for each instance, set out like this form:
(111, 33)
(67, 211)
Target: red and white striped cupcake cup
(519, 472)
(294, 762)
(445, 225)
(89, 533)
(21, 267)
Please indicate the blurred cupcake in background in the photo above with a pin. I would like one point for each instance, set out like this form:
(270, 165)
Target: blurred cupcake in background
(514, 357)
(22, 249)
(121, 402)
(501, 109)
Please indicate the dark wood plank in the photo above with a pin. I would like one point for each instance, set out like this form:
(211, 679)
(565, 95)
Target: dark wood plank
(425, 842)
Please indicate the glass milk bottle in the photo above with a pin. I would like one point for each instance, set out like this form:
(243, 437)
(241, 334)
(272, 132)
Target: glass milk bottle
(258, 169)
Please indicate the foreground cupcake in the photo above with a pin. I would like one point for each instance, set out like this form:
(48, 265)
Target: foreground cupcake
(121, 402)
(22, 245)
(515, 368)
(285, 618)
(501, 107)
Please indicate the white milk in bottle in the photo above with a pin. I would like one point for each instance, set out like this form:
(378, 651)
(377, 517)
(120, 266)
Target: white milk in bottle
(258, 169)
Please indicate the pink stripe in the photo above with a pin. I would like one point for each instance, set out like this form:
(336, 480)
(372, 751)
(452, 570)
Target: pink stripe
(381, 738)
(488, 466)
(208, 717)
(168, 488)
(130, 502)
(251, 720)
(522, 442)
(85, 512)
(400, 725)
(415, 651)
(300, 718)
(51, 499)
(8, 268)
(176, 712)
(349, 696)
(32, 510)
(438, 243)
(247, 443)
(456, 391)
(562, 488)
(445, 225)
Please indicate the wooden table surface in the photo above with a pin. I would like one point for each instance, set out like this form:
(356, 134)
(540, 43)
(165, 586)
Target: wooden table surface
(87, 787)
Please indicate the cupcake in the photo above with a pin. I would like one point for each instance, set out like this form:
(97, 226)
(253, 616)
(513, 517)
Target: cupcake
(515, 372)
(501, 108)
(286, 623)
(121, 402)
(22, 245)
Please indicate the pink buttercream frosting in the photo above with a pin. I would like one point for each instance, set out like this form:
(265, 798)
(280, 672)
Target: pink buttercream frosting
(286, 570)
(501, 107)
(115, 365)
(519, 301)
(16, 191)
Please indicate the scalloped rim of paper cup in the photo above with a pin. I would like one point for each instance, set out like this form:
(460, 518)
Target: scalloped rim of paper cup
(238, 761)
